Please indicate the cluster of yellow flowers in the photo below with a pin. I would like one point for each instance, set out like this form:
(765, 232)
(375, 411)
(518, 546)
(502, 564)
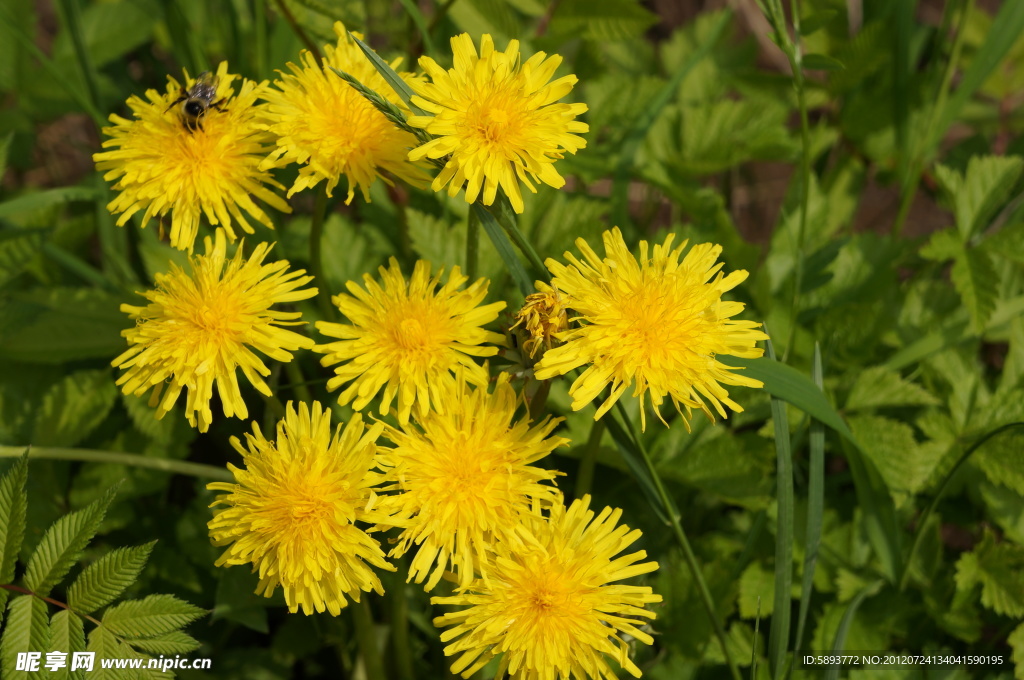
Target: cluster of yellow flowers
(457, 476)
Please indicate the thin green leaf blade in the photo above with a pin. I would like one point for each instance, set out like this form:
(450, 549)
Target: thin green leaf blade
(778, 637)
(505, 249)
(400, 87)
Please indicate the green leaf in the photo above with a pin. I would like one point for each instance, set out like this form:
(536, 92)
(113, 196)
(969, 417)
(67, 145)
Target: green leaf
(607, 20)
(846, 623)
(168, 644)
(757, 591)
(26, 631)
(62, 545)
(778, 638)
(977, 281)
(821, 62)
(110, 30)
(55, 325)
(878, 386)
(106, 578)
(5, 147)
(73, 407)
(106, 645)
(38, 200)
(942, 245)
(999, 568)
(982, 190)
(13, 506)
(67, 635)
(1016, 642)
(400, 87)
(151, 616)
(904, 465)
(1007, 27)
(18, 248)
(505, 249)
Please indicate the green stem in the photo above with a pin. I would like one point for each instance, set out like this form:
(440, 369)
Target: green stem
(290, 18)
(179, 467)
(588, 461)
(316, 262)
(73, 17)
(684, 543)
(366, 634)
(400, 627)
(923, 520)
(472, 245)
(297, 382)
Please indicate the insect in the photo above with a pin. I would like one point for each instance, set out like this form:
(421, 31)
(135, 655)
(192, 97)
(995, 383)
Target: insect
(198, 100)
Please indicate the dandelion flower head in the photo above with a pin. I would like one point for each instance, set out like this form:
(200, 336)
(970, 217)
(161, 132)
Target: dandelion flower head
(408, 337)
(543, 316)
(465, 476)
(199, 328)
(328, 128)
(160, 165)
(551, 604)
(292, 510)
(497, 121)
(656, 324)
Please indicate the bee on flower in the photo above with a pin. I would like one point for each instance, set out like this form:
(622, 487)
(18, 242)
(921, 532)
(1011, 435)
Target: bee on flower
(192, 151)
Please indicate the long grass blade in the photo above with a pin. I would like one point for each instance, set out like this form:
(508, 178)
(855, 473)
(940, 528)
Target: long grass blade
(844, 625)
(400, 87)
(505, 249)
(421, 24)
(778, 637)
(815, 507)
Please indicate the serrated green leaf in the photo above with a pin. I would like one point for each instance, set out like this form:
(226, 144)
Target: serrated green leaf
(942, 245)
(977, 194)
(444, 245)
(169, 644)
(73, 407)
(62, 545)
(999, 568)
(151, 616)
(55, 325)
(1001, 461)
(757, 591)
(107, 577)
(105, 644)
(38, 200)
(904, 465)
(67, 635)
(607, 20)
(878, 386)
(18, 248)
(13, 506)
(977, 281)
(1016, 642)
(1008, 242)
(821, 62)
(27, 630)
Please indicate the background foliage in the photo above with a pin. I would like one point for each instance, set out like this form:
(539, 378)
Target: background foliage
(875, 197)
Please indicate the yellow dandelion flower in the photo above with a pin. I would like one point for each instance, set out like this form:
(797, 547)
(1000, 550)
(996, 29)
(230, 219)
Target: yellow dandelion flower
(325, 125)
(408, 337)
(465, 476)
(549, 604)
(497, 120)
(658, 324)
(543, 316)
(292, 510)
(199, 329)
(162, 165)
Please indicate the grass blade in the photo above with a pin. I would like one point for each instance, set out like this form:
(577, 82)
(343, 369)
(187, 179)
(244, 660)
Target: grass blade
(778, 637)
(844, 625)
(504, 247)
(815, 507)
(400, 87)
(506, 217)
(421, 25)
